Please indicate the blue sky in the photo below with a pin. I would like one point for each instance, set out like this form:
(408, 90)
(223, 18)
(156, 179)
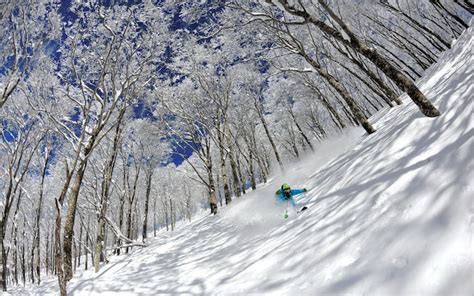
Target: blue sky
(141, 110)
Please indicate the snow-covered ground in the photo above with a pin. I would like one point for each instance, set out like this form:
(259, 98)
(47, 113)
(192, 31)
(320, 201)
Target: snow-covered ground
(392, 214)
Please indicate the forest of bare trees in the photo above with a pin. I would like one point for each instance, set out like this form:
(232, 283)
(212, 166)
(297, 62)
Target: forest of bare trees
(119, 120)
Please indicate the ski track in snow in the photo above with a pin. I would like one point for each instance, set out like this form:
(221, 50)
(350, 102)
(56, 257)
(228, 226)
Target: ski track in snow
(393, 214)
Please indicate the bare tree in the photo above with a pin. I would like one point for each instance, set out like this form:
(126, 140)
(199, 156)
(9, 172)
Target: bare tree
(342, 33)
(22, 43)
(37, 225)
(19, 143)
(96, 84)
(105, 191)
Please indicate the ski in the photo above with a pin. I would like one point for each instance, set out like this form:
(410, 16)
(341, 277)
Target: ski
(302, 209)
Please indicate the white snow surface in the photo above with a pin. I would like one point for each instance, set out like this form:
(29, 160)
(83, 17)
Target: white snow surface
(389, 214)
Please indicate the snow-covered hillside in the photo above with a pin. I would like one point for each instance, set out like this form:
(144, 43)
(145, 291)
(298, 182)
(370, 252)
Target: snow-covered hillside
(392, 214)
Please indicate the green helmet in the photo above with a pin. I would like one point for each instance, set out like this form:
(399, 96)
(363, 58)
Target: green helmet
(285, 187)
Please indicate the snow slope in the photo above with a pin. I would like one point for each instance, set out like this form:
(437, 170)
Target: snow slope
(393, 214)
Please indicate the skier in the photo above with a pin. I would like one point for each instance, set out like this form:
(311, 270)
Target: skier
(285, 194)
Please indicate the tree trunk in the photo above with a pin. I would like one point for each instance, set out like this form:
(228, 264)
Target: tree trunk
(3, 260)
(218, 189)
(80, 246)
(188, 203)
(121, 210)
(393, 73)
(382, 85)
(355, 110)
(235, 176)
(149, 176)
(74, 248)
(23, 252)
(315, 124)
(269, 136)
(253, 181)
(338, 120)
(70, 219)
(324, 101)
(105, 192)
(15, 254)
(58, 255)
(15, 178)
(437, 3)
(212, 191)
(171, 213)
(223, 169)
(131, 199)
(426, 31)
(86, 250)
(129, 223)
(300, 130)
(166, 217)
(37, 227)
(52, 261)
(370, 53)
(465, 5)
(387, 96)
(212, 198)
(154, 217)
(47, 254)
(243, 181)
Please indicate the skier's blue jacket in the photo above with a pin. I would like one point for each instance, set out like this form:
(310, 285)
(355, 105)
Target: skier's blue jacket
(281, 196)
